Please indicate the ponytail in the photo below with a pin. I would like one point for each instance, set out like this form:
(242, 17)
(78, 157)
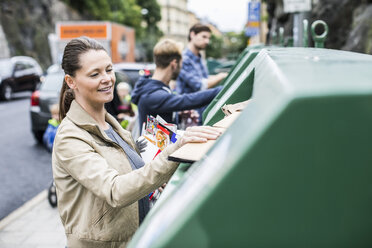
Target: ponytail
(65, 100)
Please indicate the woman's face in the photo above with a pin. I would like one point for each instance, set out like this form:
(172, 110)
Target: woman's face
(94, 82)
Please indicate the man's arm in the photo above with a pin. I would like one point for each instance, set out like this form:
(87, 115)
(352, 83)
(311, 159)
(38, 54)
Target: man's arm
(189, 77)
(213, 80)
(196, 82)
(163, 102)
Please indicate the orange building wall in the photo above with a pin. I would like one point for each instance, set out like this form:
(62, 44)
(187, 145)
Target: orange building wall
(122, 38)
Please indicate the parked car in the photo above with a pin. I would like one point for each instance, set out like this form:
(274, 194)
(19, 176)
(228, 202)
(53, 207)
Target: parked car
(19, 73)
(135, 70)
(47, 95)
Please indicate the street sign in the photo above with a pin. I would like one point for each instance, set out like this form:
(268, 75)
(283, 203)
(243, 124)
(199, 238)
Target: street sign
(96, 30)
(254, 16)
(291, 6)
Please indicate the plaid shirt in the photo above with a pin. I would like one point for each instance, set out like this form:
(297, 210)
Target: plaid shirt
(193, 75)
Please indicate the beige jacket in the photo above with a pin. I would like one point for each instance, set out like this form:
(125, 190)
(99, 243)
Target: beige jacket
(96, 188)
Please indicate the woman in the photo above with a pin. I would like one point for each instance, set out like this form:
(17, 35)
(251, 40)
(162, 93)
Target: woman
(101, 181)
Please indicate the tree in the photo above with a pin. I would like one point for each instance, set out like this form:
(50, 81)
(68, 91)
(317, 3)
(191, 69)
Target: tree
(214, 49)
(234, 44)
(93, 8)
(151, 12)
(150, 33)
(125, 12)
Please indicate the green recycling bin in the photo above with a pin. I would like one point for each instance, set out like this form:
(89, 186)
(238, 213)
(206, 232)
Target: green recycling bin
(237, 87)
(293, 170)
(244, 59)
(212, 64)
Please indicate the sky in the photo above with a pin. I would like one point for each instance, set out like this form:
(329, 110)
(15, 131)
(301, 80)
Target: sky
(228, 15)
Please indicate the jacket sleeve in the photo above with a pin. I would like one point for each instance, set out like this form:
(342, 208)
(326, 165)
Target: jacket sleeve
(77, 157)
(162, 102)
(189, 76)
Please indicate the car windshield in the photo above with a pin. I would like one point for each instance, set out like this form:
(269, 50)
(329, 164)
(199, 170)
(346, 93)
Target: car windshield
(52, 82)
(5, 66)
(121, 77)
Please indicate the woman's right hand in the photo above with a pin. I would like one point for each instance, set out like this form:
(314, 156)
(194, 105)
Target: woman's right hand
(199, 134)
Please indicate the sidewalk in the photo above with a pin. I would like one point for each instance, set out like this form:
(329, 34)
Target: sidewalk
(34, 225)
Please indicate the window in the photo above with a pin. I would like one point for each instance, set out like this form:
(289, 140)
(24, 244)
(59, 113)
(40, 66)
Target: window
(19, 66)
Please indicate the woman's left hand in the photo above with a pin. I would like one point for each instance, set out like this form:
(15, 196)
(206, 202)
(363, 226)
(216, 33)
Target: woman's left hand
(199, 134)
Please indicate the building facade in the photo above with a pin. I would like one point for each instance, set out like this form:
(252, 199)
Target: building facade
(175, 21)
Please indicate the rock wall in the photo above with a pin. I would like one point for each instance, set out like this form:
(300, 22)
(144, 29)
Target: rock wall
(349, 22)
(4, 49)
(27, 23)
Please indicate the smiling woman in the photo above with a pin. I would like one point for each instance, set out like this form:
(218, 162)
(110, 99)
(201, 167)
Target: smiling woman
(101, 181)
(84, 78)
(93, 82)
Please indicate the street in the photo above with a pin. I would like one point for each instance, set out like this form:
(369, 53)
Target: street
(25, 166)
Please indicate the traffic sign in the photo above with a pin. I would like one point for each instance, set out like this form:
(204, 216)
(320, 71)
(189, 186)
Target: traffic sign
(254, 16)
(254, 11)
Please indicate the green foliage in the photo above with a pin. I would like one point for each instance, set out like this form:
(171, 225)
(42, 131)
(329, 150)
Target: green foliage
(153, 15)
(368, 45)
(99, 9)
(214, 49)
(150, 33)
(125, 12)
(229, 46)
(234, 44)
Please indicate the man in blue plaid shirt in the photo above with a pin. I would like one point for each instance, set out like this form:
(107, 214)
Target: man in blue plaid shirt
(194, 74)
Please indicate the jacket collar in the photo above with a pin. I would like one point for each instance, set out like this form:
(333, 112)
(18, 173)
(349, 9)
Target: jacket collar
(193, 57)
(82, 119)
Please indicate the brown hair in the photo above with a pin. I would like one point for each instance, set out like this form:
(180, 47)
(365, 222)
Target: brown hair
(165, 51)
(70, 64)
(197, 28)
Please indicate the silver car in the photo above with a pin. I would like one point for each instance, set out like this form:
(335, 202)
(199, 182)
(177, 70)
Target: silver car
(41, 101)
(134, 70)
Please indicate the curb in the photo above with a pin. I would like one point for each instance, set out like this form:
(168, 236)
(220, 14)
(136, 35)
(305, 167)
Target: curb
(23, 209)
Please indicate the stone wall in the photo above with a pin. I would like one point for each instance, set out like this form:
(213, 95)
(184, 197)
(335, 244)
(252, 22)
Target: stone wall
(349, 22)
(4, 49)
(27, 23)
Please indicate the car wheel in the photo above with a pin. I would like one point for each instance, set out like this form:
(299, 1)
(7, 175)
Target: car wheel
(38, 136)
(52, 195)
(6, 92)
